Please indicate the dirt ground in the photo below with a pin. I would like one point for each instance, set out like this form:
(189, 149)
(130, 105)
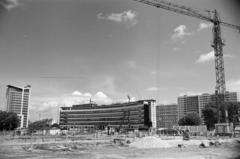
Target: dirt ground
(109, 150)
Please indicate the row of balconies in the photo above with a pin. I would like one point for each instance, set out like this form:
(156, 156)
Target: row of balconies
(101, 122)
(104, 111)
(104, 118)
(100, 114)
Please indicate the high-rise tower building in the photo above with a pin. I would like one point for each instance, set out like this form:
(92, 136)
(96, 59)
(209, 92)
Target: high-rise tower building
(18, 102)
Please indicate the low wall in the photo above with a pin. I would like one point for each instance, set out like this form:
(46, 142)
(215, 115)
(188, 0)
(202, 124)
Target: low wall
(192, 129)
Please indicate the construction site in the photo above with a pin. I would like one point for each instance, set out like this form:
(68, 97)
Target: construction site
(128, 145)
(129, 130)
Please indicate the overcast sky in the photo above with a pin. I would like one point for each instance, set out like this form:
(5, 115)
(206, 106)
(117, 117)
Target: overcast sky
(72, 50)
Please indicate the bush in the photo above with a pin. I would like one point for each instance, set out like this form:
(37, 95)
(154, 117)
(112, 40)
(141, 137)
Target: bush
(8, 120)
(190, 119)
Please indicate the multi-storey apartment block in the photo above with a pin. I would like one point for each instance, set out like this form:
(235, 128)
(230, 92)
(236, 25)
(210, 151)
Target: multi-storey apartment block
(197, 103)
(167, 116)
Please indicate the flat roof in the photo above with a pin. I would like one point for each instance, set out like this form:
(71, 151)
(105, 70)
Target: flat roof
(16, 87)
(112, 105)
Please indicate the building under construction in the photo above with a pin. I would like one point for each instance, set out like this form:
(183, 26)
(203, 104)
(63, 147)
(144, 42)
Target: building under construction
(131, 115)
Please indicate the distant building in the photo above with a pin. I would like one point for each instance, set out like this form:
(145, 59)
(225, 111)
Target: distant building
(136, 115)
(231, 97)
(181, 106)
(167, 116)
(187, 104)
(203, 100)
(192, 104)
(18, 102)
(197, 103)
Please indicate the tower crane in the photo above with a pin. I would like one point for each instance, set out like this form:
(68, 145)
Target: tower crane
(212, 17)
(217, 39)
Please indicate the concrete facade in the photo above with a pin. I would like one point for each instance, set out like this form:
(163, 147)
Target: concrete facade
(197, 103)
(18, 102)
(181, 107)
(203, 100)
(187, 104)
(167, 116)
(136, 115)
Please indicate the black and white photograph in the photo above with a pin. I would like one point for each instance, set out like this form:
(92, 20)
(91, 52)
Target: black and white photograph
(119, 79)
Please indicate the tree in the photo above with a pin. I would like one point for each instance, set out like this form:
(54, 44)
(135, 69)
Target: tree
(190, 119)
(210, 116)
(55, 125)
(40, 124)
(8, 120)
(233, 109)
(210, 113)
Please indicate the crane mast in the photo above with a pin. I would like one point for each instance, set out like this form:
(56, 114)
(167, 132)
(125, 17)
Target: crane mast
(218, 53)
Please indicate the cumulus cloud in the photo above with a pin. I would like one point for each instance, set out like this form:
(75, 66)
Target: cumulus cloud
(203, 25)
(87, 94)
(45, 103)
(76, 93)
(126, 17)
(153, 89)
(102, 98)
(9, 4)
(132, 99)
(210, 56)
(100, 95)
(180, 32)
(206, 57)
